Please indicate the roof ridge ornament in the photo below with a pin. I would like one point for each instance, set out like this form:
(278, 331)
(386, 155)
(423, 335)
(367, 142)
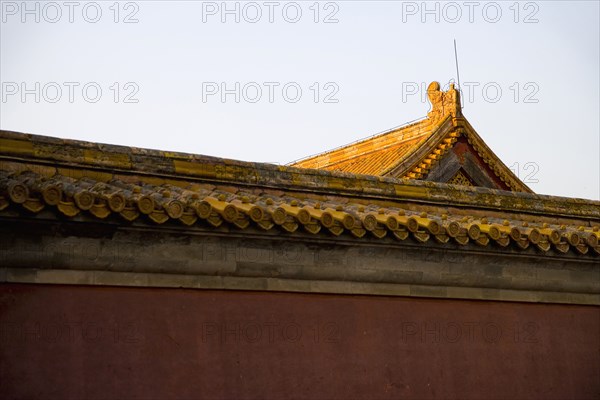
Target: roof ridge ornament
(443, 103)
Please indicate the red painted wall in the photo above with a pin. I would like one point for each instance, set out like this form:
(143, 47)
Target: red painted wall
(101, 342)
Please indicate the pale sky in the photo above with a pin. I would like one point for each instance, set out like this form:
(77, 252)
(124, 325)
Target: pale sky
(275, 81)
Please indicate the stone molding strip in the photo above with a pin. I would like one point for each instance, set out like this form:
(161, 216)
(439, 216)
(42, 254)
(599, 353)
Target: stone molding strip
(156, 280)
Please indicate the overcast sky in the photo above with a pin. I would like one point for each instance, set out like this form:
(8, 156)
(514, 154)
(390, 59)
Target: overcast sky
(277, 81)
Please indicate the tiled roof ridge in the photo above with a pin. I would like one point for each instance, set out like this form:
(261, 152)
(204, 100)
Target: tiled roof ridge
(212, 207)
(50, 155)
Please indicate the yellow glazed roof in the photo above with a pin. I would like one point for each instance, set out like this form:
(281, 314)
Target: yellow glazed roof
(412, 151)
(373, 156)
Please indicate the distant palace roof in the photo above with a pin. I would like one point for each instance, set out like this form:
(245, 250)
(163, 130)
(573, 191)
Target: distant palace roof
(443, 147)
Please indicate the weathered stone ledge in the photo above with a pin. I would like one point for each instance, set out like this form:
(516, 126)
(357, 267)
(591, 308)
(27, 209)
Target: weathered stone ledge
(150, 280)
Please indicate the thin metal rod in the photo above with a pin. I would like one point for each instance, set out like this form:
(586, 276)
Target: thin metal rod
(456, 59)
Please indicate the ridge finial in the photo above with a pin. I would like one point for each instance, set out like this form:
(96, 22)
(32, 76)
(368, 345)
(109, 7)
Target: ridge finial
(443, 103)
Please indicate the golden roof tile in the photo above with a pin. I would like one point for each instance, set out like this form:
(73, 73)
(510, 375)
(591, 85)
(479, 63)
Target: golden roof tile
(209, 207)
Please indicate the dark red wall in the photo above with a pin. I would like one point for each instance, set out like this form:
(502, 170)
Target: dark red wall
(101, 342)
